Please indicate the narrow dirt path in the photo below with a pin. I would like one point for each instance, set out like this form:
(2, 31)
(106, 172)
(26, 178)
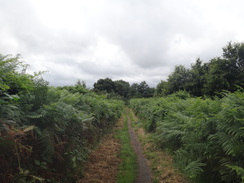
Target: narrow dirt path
(144, 174)
(103, 163)
(102, 166)
(161, 163)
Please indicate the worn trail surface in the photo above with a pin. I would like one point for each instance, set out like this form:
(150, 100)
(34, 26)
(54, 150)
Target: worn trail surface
(161, 163)
(103, 163)
(144, 174)
(102, 166)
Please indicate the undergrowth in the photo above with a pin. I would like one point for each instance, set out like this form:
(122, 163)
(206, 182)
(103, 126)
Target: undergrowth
(204, 135)
(46, 132)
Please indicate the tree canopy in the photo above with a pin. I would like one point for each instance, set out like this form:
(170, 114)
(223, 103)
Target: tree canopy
(221, 73)
(123, 88)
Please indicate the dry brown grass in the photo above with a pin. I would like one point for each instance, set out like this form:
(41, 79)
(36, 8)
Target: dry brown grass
(102, 166)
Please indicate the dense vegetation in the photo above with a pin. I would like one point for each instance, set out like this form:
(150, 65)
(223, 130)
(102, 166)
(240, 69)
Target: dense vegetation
(206, 136)
(46, 132)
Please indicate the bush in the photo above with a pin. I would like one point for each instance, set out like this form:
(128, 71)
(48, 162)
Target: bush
(205, 135)
(47, 132)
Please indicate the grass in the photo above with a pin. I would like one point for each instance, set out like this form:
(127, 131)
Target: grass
(127, 169)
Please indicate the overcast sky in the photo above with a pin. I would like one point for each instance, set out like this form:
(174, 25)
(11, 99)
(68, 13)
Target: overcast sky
(133, 40)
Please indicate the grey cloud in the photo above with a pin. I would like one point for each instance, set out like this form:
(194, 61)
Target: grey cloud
(32, 36)
(147, 30)
(151, 36)
(117, 70)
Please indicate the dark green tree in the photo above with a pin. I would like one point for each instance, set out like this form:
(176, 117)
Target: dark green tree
(134, 91)
(145, 90)
(178, 79)
(220, 73)
(106, 85)
(196, 78)
(161, 88)
(226, 72)
(122, 88)
(217, 77)
(234, 53)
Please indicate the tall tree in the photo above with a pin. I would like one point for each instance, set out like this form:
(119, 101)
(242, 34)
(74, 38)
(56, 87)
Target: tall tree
(161, 88)
(217, 77)
(196, 78)
(178, 79)
(141, 90)
(234, 53)
(226, 72)
(134, 91)
(122, 88)
(145, 90)
(106, 85)
(220, 73)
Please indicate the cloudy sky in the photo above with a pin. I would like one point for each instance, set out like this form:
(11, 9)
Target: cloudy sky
(133, 40)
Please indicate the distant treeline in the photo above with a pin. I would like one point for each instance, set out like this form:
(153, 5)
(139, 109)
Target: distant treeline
(123, 88)
(225, 72)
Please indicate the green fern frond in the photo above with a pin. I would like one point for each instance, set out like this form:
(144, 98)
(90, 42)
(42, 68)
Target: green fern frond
(47, 142)
(239, 171)
(194, 168)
